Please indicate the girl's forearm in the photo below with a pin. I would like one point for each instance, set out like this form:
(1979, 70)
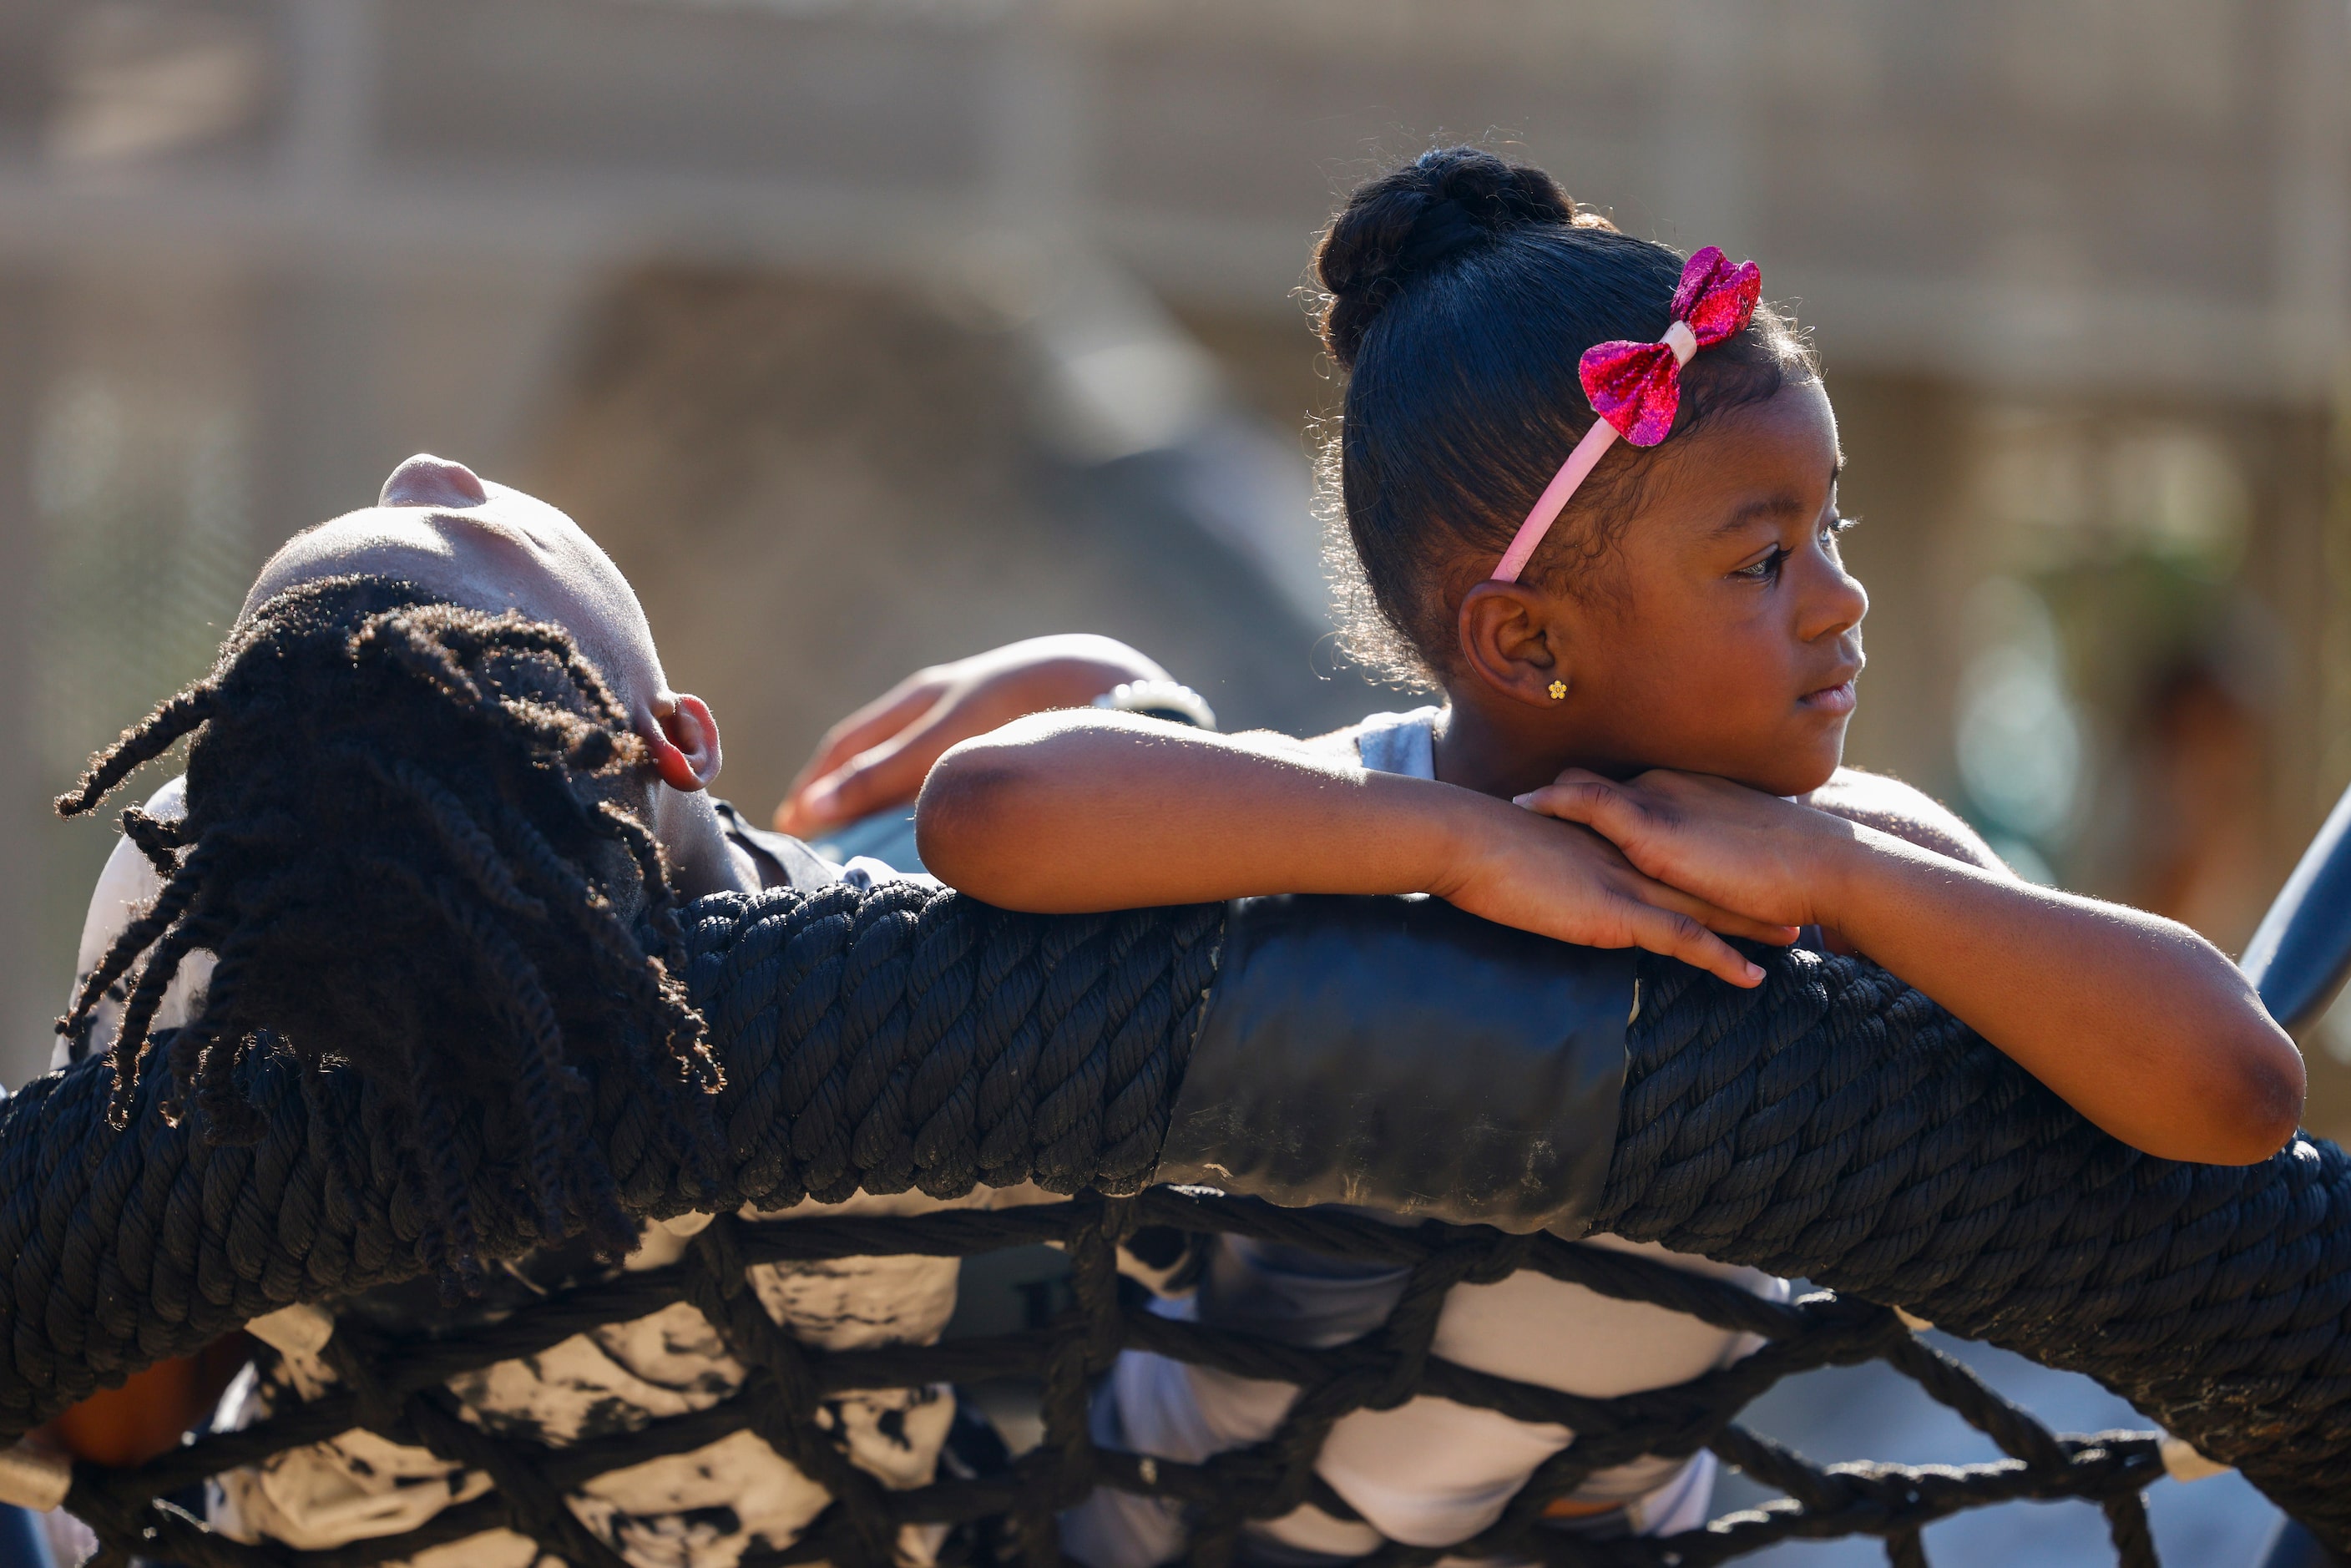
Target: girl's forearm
(1065, 813)
(2194, 1070)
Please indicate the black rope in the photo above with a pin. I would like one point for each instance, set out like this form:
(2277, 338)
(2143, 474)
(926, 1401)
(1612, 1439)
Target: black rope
(1839, 1126)
(397, 1388)
(1833, 1125)
(902, 1038)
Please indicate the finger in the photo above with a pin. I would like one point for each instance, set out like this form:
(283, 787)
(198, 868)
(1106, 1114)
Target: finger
(1679, 936)
(869, 726)
(1591, 800)
(1713, 916)
(889, 775)
(877, 721)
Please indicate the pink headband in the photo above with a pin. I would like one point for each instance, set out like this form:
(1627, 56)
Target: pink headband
(1636, 388)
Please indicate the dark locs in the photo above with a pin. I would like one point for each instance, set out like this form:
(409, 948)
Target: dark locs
(415, 841)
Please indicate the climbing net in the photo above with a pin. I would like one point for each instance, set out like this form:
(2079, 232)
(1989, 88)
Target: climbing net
(1007, 1514)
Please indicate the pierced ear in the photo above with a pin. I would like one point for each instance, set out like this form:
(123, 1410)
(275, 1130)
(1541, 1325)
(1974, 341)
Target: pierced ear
(684, 744)
(1507, 632)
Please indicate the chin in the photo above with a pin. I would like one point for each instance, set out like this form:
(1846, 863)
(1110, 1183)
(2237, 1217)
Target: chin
(1798, 771)
(1778, 759)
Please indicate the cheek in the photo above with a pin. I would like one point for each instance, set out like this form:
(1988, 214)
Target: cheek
(1713, 693)
(1717, 667)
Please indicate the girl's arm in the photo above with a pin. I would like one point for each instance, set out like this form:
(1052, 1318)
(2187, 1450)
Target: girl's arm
(2134, 1020)
(1072, 811)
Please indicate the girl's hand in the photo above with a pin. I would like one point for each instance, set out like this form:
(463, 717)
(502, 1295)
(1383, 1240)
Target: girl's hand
(2136, 1021)
(878, 757)
(1738, 848)
(1567, 882)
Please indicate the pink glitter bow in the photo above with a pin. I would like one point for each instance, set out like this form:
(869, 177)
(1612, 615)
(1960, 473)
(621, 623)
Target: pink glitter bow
(1636, 388)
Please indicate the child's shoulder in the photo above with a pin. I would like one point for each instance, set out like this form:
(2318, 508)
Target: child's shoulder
(1882, 801)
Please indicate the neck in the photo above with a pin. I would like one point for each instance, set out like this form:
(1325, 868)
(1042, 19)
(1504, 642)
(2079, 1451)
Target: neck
(1505, 753)
(702, 858)
(1508, 749)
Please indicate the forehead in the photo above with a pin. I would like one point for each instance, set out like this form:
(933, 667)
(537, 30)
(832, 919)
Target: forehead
(1775, 455)
(512, 553)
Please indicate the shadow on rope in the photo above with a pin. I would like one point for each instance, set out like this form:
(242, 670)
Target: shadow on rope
(1833, 1125)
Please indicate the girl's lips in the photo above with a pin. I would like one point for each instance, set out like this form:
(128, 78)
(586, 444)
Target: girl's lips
(1837, 698)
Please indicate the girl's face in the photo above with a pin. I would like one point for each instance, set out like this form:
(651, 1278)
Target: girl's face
(1726, 634)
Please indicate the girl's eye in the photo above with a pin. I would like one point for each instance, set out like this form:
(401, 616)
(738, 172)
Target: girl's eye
(1767, 569)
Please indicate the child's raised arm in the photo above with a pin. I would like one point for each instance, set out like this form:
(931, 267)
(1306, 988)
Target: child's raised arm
(1071, 811)
(2134, 1020)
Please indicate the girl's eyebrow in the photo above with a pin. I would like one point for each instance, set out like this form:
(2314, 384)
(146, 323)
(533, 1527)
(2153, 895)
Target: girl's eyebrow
(1765, 508)
(1761, 508)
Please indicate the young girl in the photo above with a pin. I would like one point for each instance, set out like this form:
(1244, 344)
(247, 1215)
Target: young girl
(1592, 491)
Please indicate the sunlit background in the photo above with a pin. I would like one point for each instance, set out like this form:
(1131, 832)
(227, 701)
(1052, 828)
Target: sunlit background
(866, 334)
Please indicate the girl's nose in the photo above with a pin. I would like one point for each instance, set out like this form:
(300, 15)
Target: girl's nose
(1837, 606)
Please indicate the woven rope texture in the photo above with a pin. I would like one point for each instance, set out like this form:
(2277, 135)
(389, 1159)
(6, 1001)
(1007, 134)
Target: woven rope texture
(1833, 1125)
(1009, 1516)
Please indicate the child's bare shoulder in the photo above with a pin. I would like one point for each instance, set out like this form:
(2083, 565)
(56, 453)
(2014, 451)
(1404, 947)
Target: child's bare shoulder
(1882, 801)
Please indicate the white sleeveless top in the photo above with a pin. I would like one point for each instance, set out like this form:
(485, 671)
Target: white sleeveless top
(1430, 1471)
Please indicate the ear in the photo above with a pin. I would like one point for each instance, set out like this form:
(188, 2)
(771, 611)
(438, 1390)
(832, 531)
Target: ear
(685, 743)
(1511, 640)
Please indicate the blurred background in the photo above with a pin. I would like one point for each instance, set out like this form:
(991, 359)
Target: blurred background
(871, 332)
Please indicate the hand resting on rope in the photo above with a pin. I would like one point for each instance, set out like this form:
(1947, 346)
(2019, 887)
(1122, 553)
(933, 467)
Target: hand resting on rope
(1071, 812)
(2134, 1020)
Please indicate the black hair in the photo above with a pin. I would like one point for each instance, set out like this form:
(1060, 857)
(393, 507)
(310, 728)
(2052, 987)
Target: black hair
(1461, 290)
(413, 840)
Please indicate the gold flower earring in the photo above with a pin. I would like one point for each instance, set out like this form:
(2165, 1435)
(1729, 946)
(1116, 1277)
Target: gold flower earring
(1558, 690)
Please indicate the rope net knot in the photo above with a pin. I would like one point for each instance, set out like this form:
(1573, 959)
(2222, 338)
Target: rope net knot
(1003, 1508)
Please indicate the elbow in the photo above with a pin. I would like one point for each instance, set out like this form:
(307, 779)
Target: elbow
(967, 807)
(2258, 1110)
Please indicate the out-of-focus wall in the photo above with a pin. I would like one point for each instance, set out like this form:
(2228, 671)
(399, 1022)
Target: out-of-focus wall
(866, 331)
(818, 486)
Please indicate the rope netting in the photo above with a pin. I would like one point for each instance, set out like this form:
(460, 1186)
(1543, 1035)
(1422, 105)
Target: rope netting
(398, 1389)
(1831, 1126)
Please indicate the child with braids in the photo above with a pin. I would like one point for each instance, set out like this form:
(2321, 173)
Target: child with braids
(441, 806)
(1592, 491)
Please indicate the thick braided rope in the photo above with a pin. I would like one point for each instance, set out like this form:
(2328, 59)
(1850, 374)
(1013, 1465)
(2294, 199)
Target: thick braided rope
(1836, 1126)
(1833, 1125)
(899, 1038)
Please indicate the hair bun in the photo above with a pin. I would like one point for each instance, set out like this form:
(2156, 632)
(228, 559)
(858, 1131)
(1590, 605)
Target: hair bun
(1408, 220)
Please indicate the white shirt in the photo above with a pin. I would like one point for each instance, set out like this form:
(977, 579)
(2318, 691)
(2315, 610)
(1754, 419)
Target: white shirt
(1428, 1472)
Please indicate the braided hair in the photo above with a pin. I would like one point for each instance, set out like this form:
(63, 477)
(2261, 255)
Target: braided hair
(411, 842)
